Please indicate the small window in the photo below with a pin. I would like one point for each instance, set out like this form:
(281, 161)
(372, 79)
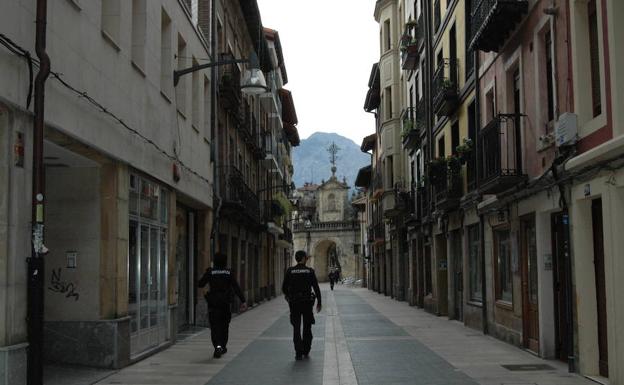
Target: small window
(490, 106)
(454, 137)
(388, 34)
(166, 56)
(548, 46)
(111, 15)
(195, 96)
(180, 91)
(388, 95)
(441, 147)
(139, 18)
(594, 55)
(356, 249)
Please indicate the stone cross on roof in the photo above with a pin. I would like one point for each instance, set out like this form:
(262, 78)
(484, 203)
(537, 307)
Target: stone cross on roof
(333, 157)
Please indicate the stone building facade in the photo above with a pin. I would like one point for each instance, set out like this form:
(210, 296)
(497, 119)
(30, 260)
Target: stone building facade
(327, 228)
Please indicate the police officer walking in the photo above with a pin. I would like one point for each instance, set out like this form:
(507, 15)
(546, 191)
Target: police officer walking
(222, 287)
(299, 281)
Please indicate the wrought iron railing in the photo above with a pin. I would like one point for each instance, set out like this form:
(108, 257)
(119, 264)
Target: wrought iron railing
(493, 20)
(234, 190)
(444, 84)
(500, 150)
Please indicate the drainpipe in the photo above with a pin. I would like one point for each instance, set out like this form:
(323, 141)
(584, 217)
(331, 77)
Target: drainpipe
(36, 270)
(568, 266)
(213, 124)
(484, 312)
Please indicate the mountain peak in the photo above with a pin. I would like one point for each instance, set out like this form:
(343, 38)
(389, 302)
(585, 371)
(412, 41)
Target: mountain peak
(312, 161)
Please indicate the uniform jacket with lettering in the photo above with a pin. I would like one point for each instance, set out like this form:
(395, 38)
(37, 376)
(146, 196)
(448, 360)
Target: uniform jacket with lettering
(221, 281)
(300, 280)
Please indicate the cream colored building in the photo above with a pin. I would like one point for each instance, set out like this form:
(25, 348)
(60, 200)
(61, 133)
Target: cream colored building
(393, 160)
(597, 194)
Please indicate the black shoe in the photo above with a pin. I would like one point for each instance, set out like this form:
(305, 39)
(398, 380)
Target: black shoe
(299, 357)
(218, 352)
(306, 355)
(224, 351)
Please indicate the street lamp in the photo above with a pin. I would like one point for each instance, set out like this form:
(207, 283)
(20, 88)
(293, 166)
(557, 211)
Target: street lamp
(252, 82)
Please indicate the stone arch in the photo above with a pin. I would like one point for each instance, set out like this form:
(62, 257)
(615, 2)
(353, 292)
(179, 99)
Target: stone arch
(326, 253)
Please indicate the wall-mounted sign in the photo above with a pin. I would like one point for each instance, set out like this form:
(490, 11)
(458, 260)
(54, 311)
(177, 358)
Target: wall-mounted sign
(72, 259)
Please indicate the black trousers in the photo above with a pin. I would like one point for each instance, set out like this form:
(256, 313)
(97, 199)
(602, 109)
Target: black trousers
(302, 311)
(331, 284)
(219, 325)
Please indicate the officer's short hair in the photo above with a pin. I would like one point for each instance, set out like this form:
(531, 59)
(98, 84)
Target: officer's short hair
(220, 260)
(300, 255)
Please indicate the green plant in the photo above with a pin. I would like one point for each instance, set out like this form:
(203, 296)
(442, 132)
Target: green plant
(447, 84)
(453, 165)
(464, 151)
(408, 126)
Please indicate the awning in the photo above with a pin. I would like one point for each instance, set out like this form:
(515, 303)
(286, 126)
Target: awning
(289, 114)
(373, 97)
(363, 178)
(292, 134)
(368, 143)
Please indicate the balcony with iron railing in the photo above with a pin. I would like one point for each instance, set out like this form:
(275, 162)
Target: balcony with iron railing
(410, 43)
(445, 88)
(239, 200)
(493, 21)
(449, 188)
(413, 123)
(230, 95)
(500, 157)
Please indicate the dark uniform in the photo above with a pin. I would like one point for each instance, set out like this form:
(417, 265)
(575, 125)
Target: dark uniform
(332, 279)
(299, 282)
(222, 287)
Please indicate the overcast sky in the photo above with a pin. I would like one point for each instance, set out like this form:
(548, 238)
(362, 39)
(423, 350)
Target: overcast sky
(329, 48)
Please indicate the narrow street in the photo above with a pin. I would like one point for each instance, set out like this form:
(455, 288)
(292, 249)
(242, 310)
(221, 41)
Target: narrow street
(360, 337)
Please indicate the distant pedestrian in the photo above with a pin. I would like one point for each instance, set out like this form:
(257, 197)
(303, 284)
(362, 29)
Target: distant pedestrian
(299, 281)
(332, 280)
(222, 287)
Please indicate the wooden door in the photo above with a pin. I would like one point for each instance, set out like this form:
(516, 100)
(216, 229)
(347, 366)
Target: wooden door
(601, 296)
(530, 298)
(559, 285)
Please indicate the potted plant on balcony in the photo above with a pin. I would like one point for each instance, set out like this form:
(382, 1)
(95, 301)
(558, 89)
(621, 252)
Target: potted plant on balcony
(464, 151)
(408, 127)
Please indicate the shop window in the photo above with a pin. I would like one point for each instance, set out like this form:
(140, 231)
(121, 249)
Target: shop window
(502, 264)
(474, 263)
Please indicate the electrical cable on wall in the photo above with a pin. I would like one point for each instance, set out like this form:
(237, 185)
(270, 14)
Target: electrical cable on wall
(19, 51)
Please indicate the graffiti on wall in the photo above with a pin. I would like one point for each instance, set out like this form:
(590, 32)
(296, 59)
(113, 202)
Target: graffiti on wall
(62, 287)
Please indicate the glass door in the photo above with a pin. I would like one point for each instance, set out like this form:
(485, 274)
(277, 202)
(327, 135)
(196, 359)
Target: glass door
(147, 265)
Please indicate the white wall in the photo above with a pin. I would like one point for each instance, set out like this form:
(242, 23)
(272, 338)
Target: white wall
(93, 64)
(73, 224)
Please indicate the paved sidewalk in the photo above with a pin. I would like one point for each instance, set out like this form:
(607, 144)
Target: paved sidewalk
(360, 338)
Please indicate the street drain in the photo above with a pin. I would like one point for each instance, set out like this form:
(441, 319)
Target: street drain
(527, 367)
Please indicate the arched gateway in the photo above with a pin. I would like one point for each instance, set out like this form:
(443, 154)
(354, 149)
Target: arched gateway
(326, 228)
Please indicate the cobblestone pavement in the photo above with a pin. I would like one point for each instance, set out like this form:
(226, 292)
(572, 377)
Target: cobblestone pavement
(360, 337)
